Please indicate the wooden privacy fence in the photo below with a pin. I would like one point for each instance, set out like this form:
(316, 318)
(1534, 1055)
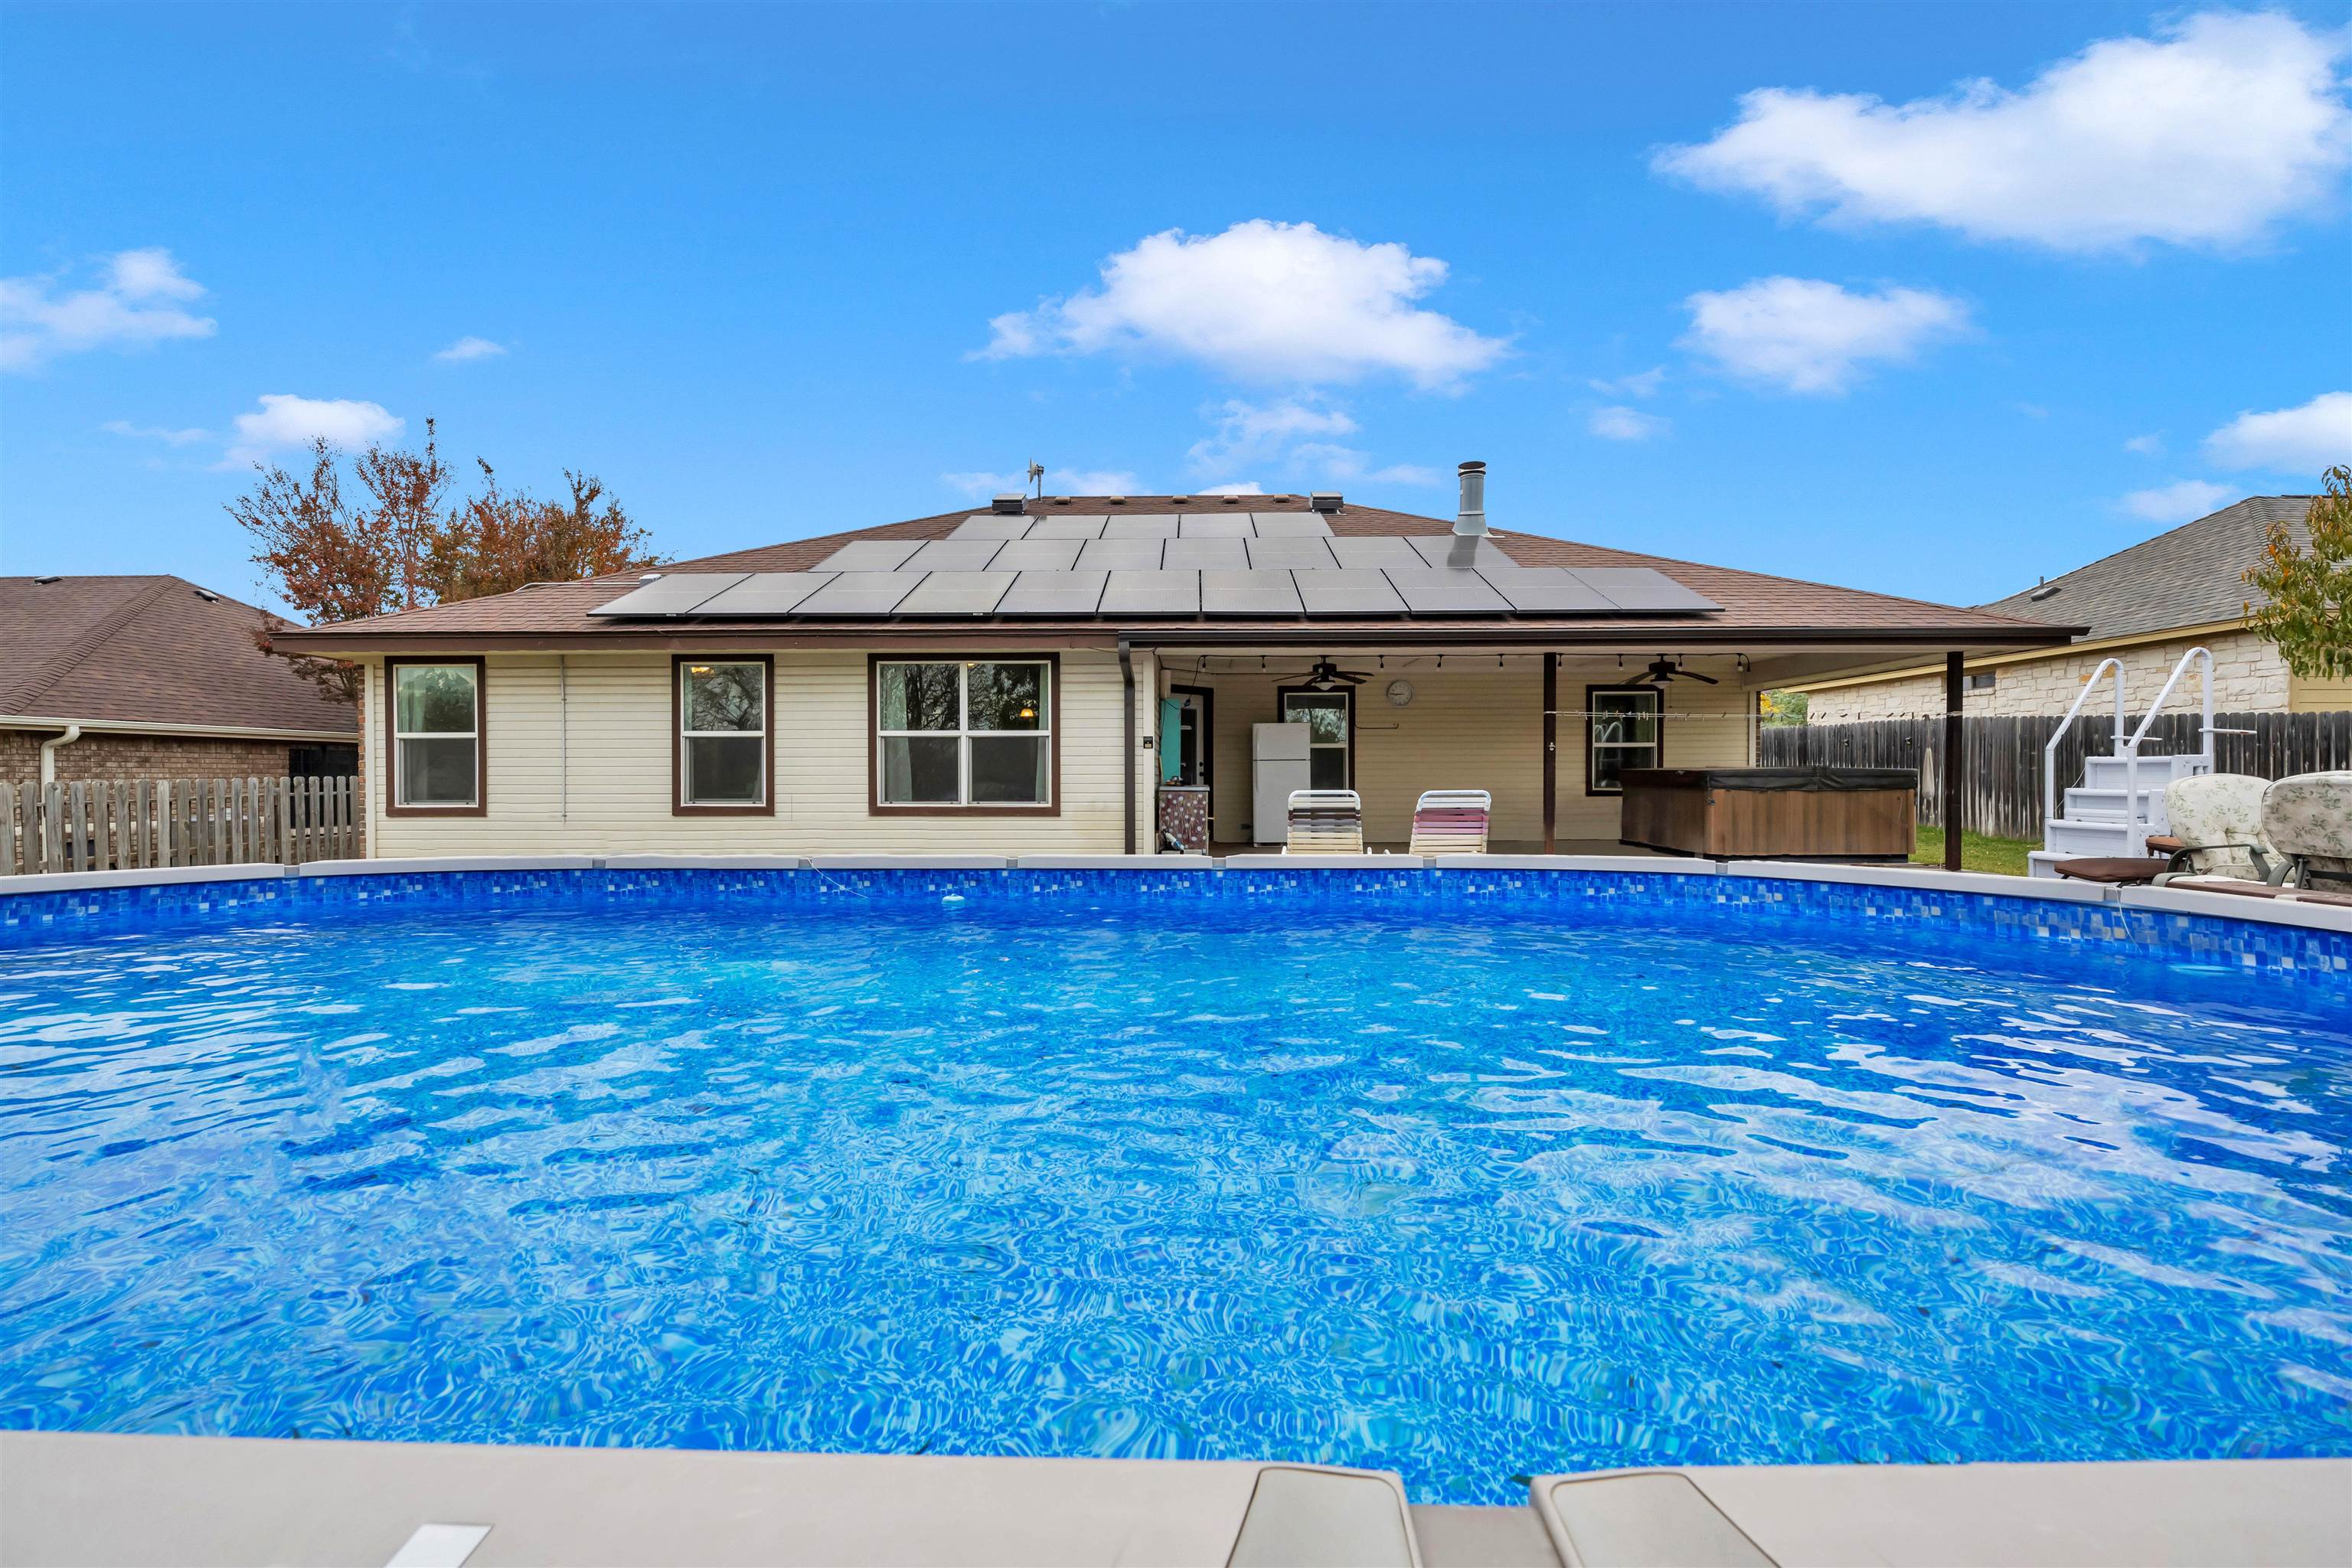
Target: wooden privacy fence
(2000, 790)
(138, 823)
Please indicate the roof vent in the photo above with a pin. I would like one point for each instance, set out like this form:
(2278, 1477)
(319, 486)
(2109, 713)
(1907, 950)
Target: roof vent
(648, 576)
(208, 596)
(1325, 501)
(1472, 519)
(51, 578)
(1006, 506)
(2047, 590)
(1180, 501)
(1233, 500)
(1116, 501)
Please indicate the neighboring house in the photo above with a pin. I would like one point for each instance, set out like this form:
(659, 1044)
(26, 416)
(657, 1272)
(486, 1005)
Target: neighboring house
(153, 678)
(1004, 681)
(2146, 606)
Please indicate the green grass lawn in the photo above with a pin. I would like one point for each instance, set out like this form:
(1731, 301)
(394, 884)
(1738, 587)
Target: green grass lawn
(2004, 857)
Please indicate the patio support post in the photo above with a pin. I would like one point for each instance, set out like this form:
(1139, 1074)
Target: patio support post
(1551, 749)
(1126, 744)
(1955, 760)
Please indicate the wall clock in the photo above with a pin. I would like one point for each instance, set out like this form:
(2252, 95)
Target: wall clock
(1400, 693)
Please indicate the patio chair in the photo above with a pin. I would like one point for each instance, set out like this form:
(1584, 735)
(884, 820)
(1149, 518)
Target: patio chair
(1326, 822)
(2217, 841)
(2308, 819)
(1450, 821)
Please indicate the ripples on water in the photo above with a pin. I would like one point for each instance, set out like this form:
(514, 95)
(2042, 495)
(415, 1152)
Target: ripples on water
(1465, 1200)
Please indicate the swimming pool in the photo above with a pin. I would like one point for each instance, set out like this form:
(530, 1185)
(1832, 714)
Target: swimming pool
(1467, 1188)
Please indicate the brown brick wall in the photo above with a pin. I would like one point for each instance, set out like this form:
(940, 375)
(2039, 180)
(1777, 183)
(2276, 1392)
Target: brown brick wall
(140, 757)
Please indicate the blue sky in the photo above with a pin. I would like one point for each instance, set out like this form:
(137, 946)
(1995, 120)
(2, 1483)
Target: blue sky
(1928, 298)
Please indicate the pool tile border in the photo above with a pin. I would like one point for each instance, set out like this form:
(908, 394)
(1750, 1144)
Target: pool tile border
(1742, 899)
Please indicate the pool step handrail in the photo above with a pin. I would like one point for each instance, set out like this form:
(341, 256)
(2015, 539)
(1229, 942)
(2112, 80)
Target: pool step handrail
(2129, 748)
(2050, 753)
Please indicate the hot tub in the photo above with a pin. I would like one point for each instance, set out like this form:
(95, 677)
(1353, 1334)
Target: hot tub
(1757, 813)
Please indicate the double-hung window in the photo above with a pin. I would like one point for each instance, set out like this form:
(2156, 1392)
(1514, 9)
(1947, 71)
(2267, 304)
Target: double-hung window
(1329, 718)
(722, 734)
(967, 733)
(435, 723)
(1621, 732)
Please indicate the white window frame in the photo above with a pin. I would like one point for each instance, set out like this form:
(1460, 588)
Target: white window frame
(1656, 746)
(686, 753)
(1345, 746)
(963, 735)
(400, 739)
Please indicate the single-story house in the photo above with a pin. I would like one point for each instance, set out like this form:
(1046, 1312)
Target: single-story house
(1042, 676)
(2146, 606)
(154, 678)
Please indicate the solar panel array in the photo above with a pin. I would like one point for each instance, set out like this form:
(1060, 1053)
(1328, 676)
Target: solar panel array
(1174, 565)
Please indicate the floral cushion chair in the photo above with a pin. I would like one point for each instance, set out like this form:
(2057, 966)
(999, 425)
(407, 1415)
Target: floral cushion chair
(2309, 818)
(2216, 832)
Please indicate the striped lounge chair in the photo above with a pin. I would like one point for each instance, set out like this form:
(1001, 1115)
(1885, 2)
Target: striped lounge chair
(1326, 822)
(1452, 822)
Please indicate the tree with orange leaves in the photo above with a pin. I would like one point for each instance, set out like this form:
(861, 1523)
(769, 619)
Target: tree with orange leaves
(398, 551)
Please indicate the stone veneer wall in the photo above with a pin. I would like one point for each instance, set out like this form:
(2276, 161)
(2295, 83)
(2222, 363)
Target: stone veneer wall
(2249, 676)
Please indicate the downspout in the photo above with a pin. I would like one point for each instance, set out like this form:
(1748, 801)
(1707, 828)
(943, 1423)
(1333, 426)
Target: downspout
(49, 752)
(562, 738)
(1127, 709)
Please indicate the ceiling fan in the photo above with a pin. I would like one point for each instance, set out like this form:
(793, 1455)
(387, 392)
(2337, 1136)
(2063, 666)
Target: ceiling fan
(1327, 676)
(1663, 670)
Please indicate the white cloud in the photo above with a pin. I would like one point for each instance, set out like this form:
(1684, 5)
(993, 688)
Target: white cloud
(1619, 422)
(154, 433)
(1059, 481)
(2145, 445)
(471, 348)
(1273, 301)
(1404, 474)
(1643, 384)
(285, 421)
(1256, 432)
(138, 305)
(1807, 335)
(1244, 487)
(2179, 501)
(2204, 135)
(2297, 440)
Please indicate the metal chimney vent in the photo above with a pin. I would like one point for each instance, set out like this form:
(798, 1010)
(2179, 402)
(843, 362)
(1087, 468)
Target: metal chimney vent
(1324, 501)
(1006, 506)
(1472, 519)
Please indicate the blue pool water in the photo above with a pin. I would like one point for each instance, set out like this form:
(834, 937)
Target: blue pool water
(1468, 1198)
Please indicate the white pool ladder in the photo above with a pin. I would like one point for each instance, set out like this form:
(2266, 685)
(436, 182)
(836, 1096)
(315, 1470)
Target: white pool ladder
(2121, 798)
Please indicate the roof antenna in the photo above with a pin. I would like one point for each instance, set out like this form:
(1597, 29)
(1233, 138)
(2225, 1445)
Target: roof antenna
(1037, 477)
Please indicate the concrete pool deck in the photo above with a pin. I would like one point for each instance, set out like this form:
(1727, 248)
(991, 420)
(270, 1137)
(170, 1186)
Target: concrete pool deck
(95, 1498)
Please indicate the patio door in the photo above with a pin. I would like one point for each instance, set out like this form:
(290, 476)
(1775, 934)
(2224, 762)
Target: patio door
(1329, 718)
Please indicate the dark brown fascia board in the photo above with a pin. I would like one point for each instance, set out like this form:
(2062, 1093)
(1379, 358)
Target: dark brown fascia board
(677, 639)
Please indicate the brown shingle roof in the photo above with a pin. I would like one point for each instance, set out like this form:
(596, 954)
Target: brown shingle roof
(151, 650)
(2187, 576)
(1753, 603)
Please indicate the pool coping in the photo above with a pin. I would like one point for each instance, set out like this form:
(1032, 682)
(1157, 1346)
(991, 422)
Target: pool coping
(2156, 902)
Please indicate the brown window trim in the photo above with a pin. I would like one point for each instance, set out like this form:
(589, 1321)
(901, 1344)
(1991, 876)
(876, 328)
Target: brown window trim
(1658, 752)
(678, 805)
(1342, 690)
(481, 806)
(874, 663)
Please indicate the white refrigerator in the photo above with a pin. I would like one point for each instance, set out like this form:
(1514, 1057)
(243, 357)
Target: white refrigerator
(1278, 765)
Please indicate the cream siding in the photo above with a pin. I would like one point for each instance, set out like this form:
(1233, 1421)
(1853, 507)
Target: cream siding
(1471, 725)
(590, 774)
(2318, 696)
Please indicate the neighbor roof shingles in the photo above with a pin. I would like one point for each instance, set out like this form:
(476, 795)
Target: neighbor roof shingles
(1750, 600)
(2191, 576)
(151, 650)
